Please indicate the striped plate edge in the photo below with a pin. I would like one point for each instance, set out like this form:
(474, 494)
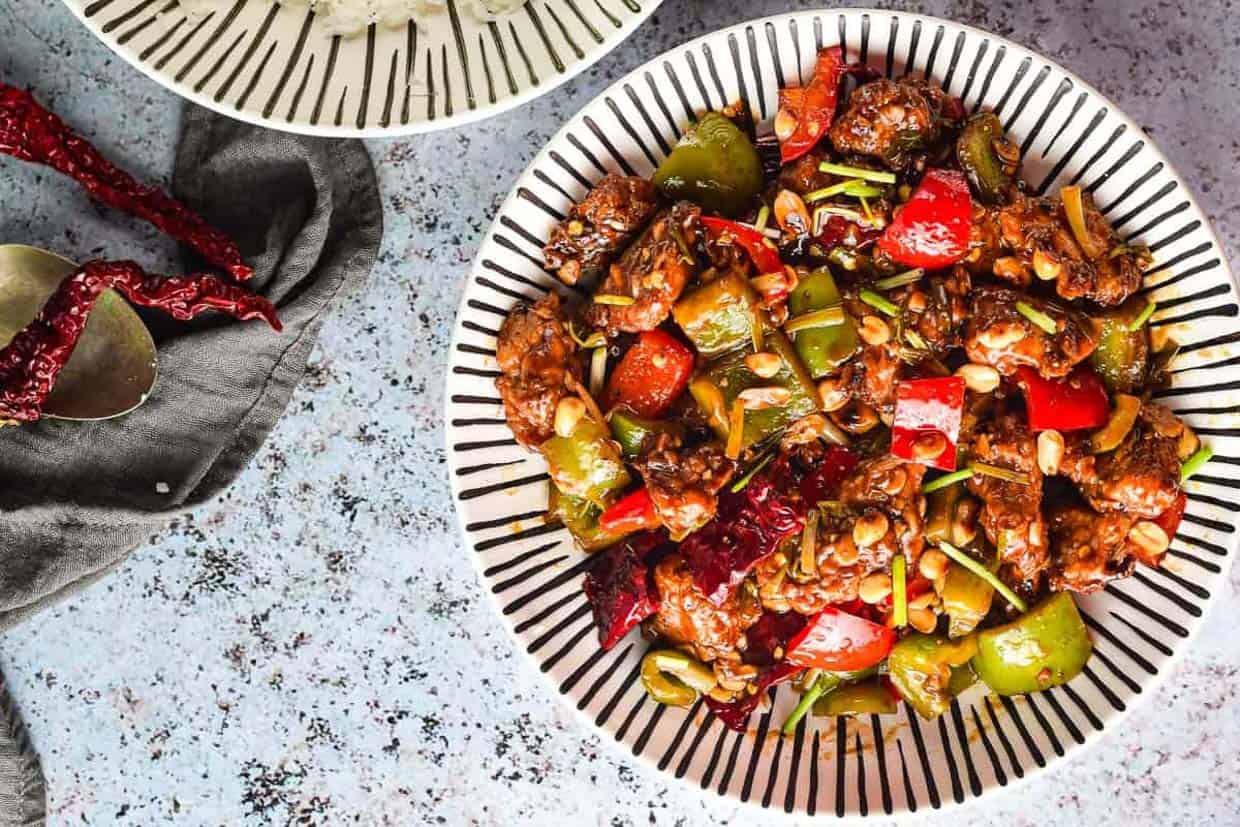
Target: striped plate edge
(275, 66)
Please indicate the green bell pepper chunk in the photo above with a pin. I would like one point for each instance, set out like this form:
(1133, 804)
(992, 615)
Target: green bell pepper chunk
(1045, 647)
(718, 316)
(822, 349)
(631, 430)
(714, 165)
(673, 678)
(723, 380)
(580, 517)
(869, 698)
(966, 600)
(586, 463)
(962, 678)
(940, 512)
(921, 667)
(1122, 354)
(988, 174)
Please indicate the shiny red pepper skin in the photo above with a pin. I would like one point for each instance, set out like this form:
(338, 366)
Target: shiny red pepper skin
(839, 641)
(32, 361)
(761, 251)
(813, 106)
(1169, 520)
(632, 512)
(31, 133)
(931, 230)
(928, 406)
(1076, 402)
(651, 376)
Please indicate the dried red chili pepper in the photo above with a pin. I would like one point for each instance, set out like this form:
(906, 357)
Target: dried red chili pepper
(30, 364)
(31, 133)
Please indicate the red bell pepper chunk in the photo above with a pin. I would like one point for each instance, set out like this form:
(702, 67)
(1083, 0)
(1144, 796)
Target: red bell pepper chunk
(760, 249)
(839, 641)
(651, 376)
(928, 406)
(1076, 402)
(813, 106)
(632, 512)
(1169, 520)
(931, 230)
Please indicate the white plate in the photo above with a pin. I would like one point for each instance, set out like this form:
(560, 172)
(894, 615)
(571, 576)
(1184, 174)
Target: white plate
(279, 67)
(1068, 132)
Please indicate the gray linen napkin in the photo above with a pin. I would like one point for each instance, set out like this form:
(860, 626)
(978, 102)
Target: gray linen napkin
(74, 498)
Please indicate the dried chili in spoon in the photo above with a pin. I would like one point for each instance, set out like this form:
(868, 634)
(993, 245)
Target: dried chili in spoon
(31, 133)
(31, 362)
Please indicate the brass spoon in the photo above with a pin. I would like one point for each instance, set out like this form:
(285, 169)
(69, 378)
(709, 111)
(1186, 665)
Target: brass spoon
(113, 368)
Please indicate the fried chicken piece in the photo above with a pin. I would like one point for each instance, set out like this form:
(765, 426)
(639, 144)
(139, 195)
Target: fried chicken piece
(890, 119)
(998, 335)
(1141, 477)
(883, 495)
(1037, 232)
(653, 273)
(1011, 513)
(686, 616)
(1088, 549)
(599, 227)
(538, 361)
(684, 483)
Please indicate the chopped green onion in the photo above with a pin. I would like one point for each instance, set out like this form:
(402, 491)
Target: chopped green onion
(900, 279)
(865, 207)
(853, 189)
(997, 472)
(1048, 324)
(984, 573)
(617, 301)
(825, 192)
(762, 462)
(899, 591)
(1142, 317)
(595, 339)
(914, 339)
(763, 214)
(598, 371)
(862, 191)
(827, 317)
(879, 303)
(858, 172)
(805, 704)
(946, 480)
(1074, 209)
(1194, 463)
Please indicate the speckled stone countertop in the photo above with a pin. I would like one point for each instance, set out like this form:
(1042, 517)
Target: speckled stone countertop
(314, 648)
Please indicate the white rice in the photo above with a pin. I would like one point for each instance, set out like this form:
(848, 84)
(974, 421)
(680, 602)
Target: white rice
(352, 16)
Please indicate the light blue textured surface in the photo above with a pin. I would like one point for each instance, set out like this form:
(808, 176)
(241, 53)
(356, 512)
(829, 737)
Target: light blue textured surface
(315, 649)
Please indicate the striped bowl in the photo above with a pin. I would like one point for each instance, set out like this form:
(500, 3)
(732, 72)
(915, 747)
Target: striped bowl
(279, 67)
(1067, 133)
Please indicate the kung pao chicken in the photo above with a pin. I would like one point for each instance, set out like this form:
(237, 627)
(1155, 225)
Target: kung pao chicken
(838, 400)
